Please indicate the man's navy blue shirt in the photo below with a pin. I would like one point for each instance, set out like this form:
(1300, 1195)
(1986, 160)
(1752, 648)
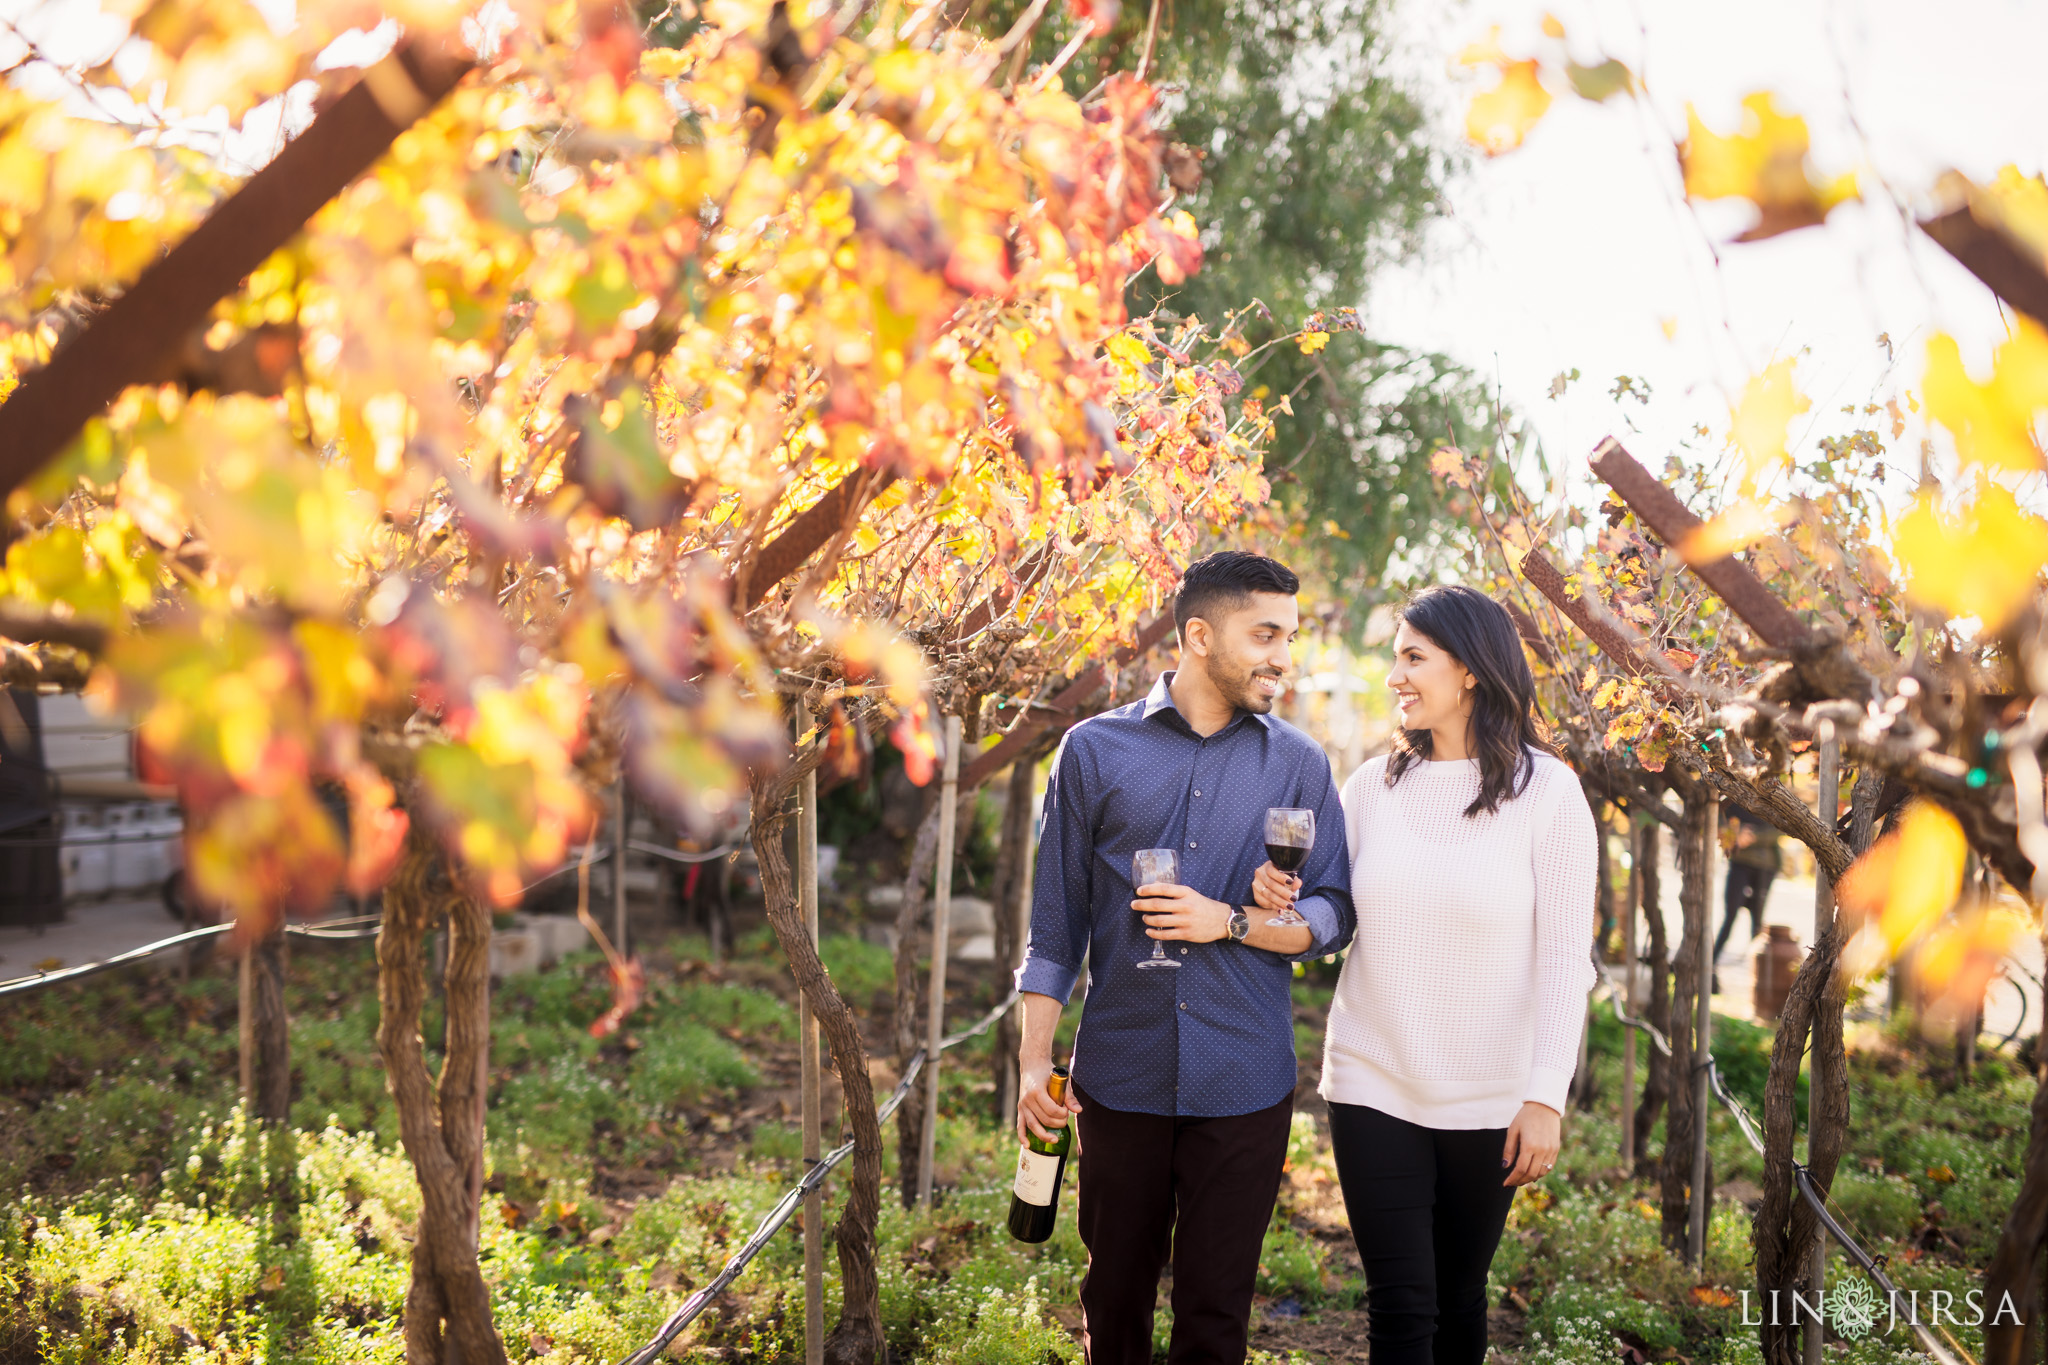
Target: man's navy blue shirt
(1216, 1036)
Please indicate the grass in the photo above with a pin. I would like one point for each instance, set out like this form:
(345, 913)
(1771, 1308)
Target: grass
(145, 1220)
(140, 1222)
(1931, 1168)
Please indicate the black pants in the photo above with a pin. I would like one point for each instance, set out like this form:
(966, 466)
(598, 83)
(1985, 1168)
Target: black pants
(1199, 1189)
(1746, 888)
(1427, 1207)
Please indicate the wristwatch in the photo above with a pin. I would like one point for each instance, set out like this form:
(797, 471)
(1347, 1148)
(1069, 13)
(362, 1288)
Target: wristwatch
(1240, 925)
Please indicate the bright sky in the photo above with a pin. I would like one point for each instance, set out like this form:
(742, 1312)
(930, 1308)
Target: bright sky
(1575, 250)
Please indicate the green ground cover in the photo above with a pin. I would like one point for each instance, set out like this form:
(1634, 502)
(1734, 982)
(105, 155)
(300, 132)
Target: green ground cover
(143, 1220)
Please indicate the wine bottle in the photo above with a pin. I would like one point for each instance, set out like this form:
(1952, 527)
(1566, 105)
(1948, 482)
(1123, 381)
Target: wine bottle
(1041, 1164)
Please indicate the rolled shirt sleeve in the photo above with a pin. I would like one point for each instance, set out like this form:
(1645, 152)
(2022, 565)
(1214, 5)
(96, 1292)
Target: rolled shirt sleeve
(1567, 877)
(1062, 892)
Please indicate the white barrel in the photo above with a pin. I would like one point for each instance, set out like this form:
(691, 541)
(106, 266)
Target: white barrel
(133, 846)
(87, 861)
(167, 842)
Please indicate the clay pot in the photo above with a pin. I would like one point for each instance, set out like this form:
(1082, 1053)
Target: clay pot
(1772, 966)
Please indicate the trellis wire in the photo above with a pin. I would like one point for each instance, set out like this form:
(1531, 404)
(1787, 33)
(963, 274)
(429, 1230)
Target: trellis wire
(362, 926)
(677, 855)
(359, 926)
(786, 1207)
(1869, 1264)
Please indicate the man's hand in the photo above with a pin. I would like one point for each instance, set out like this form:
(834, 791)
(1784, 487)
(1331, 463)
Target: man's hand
(1037, 1111)
(1182, 912)
(1532, 1143)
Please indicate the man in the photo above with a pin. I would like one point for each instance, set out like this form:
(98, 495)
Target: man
(1753, 863)
(1183, 1079)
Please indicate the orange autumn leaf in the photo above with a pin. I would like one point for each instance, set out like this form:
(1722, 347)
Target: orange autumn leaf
(1908, 879)
(1765, 160)
(1499, 119)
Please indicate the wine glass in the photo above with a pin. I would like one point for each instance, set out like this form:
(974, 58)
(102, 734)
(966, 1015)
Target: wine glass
(1156, 867)
(1290, 834)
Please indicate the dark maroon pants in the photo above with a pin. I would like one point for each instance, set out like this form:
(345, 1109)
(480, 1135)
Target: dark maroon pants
(1199, 1190)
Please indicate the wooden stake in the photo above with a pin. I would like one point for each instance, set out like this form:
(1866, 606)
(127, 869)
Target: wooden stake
(942, 911)
(813, 1118)
(1630, 910)
(1027, 862)
(619, 866)
(245, 979)
(1828, 801)
(1703, 1041)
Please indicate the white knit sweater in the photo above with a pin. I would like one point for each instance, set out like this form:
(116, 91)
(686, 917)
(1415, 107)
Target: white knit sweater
(1465, 989)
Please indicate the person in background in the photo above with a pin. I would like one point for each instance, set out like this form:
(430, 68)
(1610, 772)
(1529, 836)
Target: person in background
(1753, 863)
(1183, 1077)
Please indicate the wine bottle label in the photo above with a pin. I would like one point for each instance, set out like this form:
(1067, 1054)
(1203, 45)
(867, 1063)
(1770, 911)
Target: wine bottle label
(1037, 1177)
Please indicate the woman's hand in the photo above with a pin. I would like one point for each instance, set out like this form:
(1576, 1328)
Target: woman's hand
(1274, 890)
(1533, 1140)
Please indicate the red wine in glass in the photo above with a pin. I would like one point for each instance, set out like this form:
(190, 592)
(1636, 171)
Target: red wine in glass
(1290, 834)
(1286, 857)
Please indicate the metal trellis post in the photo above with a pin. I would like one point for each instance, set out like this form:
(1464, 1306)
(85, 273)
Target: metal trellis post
(1703, 1039)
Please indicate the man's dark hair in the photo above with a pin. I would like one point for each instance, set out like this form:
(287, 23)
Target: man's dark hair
(1216, 585)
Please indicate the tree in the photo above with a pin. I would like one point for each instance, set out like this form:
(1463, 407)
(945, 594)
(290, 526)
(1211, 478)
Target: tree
(637, 390)
(1310, 168)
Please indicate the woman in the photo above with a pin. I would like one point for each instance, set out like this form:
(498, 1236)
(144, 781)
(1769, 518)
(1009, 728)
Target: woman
(1455, 1028)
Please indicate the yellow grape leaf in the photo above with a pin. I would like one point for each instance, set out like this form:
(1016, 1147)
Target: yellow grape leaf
(1499, 119)
(872, 650)
(1992, 422)
(1765, 162)
(1125, 347)
(1448, 463)
(1485, 52)
(1311, 342)
(1985, 563)
(259, 854)
(1759, 422)
(1734, 529)
(1960, 956)
(1909, 879)
(2018, 204)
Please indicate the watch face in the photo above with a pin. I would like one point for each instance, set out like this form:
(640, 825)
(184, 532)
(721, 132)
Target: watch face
(1240, 925)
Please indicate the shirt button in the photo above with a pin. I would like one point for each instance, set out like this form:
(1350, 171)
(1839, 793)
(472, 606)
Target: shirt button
(1183, 1004)
(1183, 952)
(1198, 793)
(1191, 843)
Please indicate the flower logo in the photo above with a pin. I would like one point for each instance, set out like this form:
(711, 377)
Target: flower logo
(1852, 1309)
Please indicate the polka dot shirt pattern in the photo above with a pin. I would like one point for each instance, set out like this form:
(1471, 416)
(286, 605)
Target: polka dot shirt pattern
(1216, 1036)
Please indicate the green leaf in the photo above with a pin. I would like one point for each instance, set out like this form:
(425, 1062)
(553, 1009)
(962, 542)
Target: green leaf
(1601, 82)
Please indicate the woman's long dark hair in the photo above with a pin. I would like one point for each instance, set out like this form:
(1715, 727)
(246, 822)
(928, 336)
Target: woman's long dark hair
(1477, 631)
